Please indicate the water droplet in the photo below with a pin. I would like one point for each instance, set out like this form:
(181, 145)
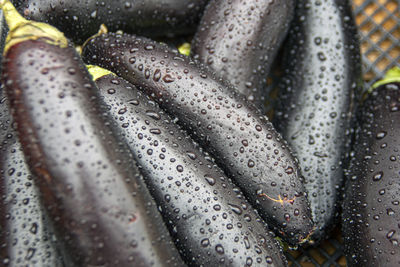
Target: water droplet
(390, 234)
(219, 249)
(321, 56)
(381, 135)
(209, 179)
(377, 176)
(155, 131)
(251, 163)
(236, 209)
(390, 212)
(168, 78)
(191, 155)
(153, 115)
(205, 242)
(179, 168)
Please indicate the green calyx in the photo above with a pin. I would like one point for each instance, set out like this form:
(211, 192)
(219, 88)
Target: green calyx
(21, 29)
(184, 49)
(98, 72)
(392, 75)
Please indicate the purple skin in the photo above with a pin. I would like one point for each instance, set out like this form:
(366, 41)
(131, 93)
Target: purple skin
(26, 237)
(79, 20)
(242, 141)
(239, 40)
(209, 218)
(371, 206)
(94, 194)
(315, 103)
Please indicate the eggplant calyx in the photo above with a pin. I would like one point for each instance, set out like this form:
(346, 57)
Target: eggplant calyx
(102, 30)
(98, 72)
(22, 29)
(392, 75)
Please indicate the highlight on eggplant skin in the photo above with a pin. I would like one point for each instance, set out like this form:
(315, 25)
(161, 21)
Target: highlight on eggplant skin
(26, 237)
(371, 205)
(79, 20)
(3, 35)
(321, 74)
(239, 40)
(209, 218)
(86, 175)
(242, 141)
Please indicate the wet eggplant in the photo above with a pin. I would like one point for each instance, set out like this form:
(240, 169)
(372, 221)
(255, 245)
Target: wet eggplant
(26, 236)
(316, 101)
(3, 35)
(371, 206)
(99, 205)
(78, 20)
(240, 39)
(243, 141)
(210, 220)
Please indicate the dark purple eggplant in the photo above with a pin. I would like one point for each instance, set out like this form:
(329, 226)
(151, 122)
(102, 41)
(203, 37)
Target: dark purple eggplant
(371, 206)
(316, 101)
(94, 194)
(78, 20)
(240, 39)
(3, 35)
(243, 142)
(210, 220)
(26, 235)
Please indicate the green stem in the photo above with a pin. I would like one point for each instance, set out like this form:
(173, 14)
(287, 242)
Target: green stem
(11, 15)
(21, 29)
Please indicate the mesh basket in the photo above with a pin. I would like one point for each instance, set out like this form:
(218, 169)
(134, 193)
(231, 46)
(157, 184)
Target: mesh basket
(379, 31)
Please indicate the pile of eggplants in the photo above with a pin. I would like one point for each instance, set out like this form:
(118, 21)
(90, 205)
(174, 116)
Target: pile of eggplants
(125, 152)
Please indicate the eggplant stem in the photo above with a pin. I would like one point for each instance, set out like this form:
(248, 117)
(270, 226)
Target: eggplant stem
(21, 29)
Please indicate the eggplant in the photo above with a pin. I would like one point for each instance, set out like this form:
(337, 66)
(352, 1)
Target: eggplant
(100, 207)
(26, 236)
(315, 103)
(210, 220)
(371, 210)
(242, 141)
(3, 35)
(239, 40)
(78, 20)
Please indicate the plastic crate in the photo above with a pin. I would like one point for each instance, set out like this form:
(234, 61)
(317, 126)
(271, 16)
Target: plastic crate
(379, 33)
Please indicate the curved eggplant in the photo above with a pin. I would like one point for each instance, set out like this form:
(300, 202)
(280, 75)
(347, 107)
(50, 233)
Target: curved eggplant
(240, 39)
(78, 20)
(371, 206)
(316, 100)
(243, 142)
(210, 220)
(26, 234)
(95, 196)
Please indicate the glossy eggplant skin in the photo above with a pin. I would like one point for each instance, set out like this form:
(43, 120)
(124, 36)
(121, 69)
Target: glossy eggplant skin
(209, 218)
(243, 142)
(371, 210)
(87, 178)
(3, 35)
(79, 20)
(240, 39)
(26, 237)
(316, 101)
